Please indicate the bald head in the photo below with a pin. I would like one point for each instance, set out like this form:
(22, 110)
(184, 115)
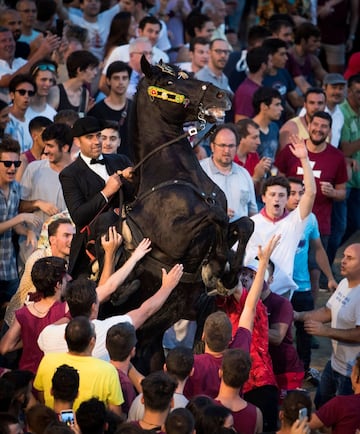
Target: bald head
(350, 264)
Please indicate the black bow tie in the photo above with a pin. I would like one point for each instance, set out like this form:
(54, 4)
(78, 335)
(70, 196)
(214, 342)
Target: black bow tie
(95, 161)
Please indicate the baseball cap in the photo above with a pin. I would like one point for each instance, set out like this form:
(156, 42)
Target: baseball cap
(334, 78)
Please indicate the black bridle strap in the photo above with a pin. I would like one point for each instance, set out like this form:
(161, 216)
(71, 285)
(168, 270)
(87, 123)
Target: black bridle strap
(164, 145)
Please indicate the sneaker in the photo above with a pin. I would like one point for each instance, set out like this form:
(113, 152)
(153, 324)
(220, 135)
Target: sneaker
(315, 344)
(312, 376)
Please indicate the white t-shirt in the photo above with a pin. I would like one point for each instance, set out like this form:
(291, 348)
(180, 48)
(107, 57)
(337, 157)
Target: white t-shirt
(52, 338)
(345, 314)
(49, 113)
(5, 69)
(291, 229)
(98, 31)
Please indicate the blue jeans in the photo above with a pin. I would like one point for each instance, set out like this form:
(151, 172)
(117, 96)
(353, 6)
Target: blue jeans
(303, 301)
(331, 384)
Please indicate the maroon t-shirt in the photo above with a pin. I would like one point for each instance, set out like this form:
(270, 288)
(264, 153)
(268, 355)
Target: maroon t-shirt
(328, 165)
(284, 356)
(205, 380)
(245, 419)
(127, 390)
(252, 160)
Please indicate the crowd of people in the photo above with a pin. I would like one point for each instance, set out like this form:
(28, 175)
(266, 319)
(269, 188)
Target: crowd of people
(287, 155)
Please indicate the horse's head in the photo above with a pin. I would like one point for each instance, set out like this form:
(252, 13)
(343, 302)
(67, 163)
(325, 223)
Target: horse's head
(182, 98)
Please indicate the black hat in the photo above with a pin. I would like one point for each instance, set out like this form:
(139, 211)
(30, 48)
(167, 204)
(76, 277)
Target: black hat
(87, 125)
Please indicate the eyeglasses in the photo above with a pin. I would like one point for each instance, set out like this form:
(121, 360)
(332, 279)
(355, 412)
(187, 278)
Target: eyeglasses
(9, 163)
(47, 67)
(24, 92)
(28, 11)
(145, 53)
(220, 51)
(223, 145)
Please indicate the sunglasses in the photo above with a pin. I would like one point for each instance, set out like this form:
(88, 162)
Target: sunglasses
(9, 163)
(44, 67)
(23, 92)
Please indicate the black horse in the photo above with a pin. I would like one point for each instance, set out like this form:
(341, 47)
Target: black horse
(176, 204)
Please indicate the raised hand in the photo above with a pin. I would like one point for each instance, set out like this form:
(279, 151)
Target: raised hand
(265, 253)
(30, 218)
(111, 241)
(298, 147)
(142, 249)
(172, 278)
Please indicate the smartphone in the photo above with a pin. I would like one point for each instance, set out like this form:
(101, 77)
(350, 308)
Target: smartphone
(59, 27)
(303, 413)
(67, 416)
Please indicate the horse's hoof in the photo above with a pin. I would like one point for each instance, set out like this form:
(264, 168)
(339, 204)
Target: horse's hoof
(122, 293)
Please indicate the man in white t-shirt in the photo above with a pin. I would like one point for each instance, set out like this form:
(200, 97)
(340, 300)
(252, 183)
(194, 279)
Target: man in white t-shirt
(343, 311)
(274, 219)
(82, 299)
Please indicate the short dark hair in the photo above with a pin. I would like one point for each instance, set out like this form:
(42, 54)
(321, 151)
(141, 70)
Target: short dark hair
(274, 44)
(21, 78)
(257, 34)
(256, 57)
(20, 378)
(120, 340)
(236, 366)
(68, 117)
(57, 427)
(46, 273)
(78, 334)
(217, 331)
(149, 19)
(295, 180)
(293, 401)
(276, 25)
(39, 416)
(7, 419)
(214, 417)
(276, 180)
(196, 406)
(91, 416)
(353, 79)
(243, 127)
(158, 389)
(228, 126)
(197, 40)
(7, 394)
(60, 133)
(180, 421)
(179, 362)
(65, 383)
(316, 90)
(8, 144)
(117, 66)
(305, 31)
(80, 295)
(38, 123)
(54, 226)
(81, 59)
(322, 115)
(264, 94)
(195, 20)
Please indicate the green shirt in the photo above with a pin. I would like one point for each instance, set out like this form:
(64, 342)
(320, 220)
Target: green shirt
(349, 133)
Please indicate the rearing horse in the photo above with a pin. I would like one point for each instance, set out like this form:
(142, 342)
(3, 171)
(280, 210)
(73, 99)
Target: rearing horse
(176, 204)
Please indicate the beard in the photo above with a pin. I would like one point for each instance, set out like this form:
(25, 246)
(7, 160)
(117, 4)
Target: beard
(317, 142)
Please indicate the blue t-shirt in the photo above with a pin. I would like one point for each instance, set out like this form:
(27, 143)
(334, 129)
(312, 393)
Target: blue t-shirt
(269, 142)
(301, 273)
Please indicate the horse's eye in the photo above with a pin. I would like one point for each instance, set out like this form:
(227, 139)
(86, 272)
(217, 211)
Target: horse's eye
(220, 95)
(170, 83)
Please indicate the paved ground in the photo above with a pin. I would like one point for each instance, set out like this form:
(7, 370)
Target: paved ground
(322, 355)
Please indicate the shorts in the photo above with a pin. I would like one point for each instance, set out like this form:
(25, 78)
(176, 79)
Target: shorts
(335, 54)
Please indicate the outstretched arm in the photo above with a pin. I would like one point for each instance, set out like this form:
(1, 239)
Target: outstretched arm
(105, 290)
(110, 243)
(298, 148)
(154, 303)
(248, 314)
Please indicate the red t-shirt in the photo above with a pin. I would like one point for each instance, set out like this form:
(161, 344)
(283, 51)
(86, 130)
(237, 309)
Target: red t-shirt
(252, 160)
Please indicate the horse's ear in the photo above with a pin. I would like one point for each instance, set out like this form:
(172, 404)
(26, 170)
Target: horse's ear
(146, 67)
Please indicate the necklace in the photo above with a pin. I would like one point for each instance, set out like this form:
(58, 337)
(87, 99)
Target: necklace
(39, 311)
(152, 424)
